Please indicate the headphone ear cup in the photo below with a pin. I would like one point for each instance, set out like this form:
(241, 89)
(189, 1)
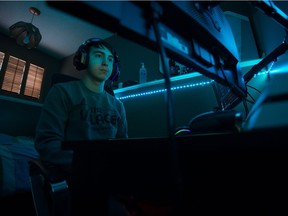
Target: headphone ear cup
(116, 69)
(80, 59)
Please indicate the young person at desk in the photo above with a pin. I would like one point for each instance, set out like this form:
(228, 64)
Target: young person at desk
(82, 109)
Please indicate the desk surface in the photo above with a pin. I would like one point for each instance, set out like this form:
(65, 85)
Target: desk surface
(219, 173)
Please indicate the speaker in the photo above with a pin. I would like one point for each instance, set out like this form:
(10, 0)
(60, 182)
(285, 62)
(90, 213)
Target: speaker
(80, 60)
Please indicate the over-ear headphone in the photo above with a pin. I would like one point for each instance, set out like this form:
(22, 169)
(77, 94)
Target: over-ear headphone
(81, 59)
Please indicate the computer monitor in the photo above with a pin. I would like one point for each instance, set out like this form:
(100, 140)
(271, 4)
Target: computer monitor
(194, 33)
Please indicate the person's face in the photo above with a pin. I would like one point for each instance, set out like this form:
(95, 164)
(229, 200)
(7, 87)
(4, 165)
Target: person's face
(100, 65)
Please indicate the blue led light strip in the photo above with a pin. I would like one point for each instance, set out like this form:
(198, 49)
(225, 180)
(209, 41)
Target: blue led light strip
(261, 73)
(200, 84)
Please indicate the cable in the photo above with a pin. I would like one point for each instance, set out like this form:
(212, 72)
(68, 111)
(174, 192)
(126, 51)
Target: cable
(156, 11)
(253, 100)
(244, 102)
(254, 88)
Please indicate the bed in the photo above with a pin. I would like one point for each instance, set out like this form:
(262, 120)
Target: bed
(17, 129)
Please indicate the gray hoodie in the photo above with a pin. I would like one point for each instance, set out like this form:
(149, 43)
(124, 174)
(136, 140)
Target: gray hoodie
(72, 112)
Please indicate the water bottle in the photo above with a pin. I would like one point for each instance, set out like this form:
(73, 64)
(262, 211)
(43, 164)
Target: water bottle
(142, 74)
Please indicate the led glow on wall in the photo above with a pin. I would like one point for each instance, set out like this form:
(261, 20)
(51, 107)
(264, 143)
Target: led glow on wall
(158, 91)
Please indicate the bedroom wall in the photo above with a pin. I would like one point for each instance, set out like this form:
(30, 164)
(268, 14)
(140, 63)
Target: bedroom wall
(19, 116)
(51, 64)
(147, 115)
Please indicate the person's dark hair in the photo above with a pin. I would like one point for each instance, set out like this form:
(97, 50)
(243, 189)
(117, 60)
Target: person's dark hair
(99, 44)
(81, 59)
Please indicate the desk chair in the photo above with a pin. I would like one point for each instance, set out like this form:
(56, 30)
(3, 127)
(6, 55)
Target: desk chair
(49, 189)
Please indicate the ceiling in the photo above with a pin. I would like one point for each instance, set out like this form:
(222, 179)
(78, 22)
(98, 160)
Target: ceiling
(61, 33)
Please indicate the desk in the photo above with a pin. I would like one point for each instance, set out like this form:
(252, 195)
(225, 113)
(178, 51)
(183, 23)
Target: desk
(227, 174)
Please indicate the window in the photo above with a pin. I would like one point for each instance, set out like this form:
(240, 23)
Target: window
(13, 75)
(34, 81)
(21, 77)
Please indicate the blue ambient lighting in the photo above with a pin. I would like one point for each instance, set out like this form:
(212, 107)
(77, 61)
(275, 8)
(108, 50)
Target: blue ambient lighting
(200, 84)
